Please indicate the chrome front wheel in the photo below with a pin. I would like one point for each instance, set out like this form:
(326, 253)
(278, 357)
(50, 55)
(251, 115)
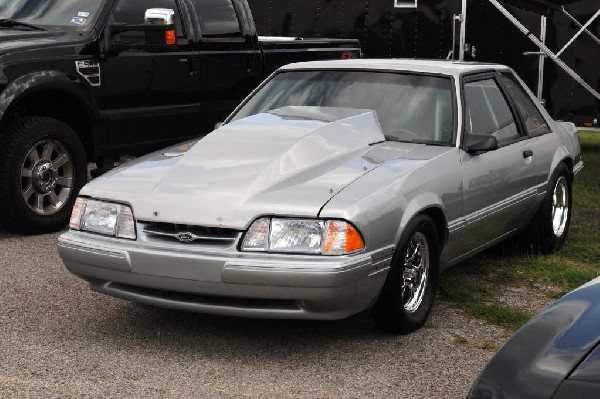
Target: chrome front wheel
(409, 290)
(46, 177)
(43, 166)
(416, 270)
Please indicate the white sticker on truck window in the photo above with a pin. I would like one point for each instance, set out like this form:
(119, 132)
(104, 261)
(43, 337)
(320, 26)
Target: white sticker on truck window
(83, 14)
(79, 21)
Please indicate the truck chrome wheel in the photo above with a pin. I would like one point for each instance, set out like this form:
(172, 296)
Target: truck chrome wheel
(47, 177)
(560, 207)
(415, 273)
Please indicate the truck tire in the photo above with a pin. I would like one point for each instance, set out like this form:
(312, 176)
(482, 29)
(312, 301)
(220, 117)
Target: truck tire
(42, 168)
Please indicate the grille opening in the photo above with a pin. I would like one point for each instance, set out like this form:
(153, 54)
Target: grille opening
(196, 299)
(168, 232)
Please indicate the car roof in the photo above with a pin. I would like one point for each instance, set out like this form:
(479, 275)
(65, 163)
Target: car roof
(451, 68)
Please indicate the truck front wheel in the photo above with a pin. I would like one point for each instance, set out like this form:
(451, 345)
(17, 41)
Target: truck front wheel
(42, 168)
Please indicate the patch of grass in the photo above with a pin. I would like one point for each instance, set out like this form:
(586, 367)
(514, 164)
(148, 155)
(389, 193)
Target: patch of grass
(474, 285)
(460, 340)
(489, 346)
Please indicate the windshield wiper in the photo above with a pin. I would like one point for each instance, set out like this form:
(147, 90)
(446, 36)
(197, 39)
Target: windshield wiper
(413, 141)
(11, 23)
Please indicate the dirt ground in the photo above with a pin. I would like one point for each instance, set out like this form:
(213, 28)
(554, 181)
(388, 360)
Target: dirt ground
(61, 340)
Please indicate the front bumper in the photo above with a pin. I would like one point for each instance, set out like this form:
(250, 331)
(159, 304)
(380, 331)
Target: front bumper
(225, 281)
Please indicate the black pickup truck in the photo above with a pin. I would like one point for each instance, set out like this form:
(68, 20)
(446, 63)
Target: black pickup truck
(87, 80)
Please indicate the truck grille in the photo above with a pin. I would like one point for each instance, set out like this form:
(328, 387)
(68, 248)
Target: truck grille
(186, 234)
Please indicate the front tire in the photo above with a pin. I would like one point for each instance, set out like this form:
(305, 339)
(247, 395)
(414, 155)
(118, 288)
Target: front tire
(42, 169)
(409, 290)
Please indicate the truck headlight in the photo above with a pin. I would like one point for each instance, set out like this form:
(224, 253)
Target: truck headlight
(102, 217)
(302, 236)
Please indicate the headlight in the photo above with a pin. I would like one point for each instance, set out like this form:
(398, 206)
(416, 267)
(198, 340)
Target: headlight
(103, 218)
(303, 236)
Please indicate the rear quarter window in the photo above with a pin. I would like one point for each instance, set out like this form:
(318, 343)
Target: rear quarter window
(535, 124)
(218, 18)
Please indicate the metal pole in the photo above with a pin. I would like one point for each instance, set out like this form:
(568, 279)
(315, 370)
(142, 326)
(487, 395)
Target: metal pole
(463, 31)
(576, 22)
(579, 32)
(541, 61)
(543, 48)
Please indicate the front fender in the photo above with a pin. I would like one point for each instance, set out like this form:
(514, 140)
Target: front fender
(418, 205)
(41, 81)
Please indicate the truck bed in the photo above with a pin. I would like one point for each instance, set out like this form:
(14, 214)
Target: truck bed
(279, 51)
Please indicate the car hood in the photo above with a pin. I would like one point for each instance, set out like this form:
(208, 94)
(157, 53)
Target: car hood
(16, 39)
(546, 350)
(290, 162)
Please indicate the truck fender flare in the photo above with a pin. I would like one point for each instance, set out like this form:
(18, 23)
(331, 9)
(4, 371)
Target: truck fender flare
(42, 81)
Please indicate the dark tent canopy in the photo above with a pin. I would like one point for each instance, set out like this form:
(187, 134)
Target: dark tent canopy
(544, 7)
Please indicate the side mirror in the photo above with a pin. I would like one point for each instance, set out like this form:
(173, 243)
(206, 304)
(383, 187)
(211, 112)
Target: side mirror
(476, 144)
(159, 16)
(159, 28)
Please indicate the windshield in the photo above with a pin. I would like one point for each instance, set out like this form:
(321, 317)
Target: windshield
(75, 14)
(409, 107)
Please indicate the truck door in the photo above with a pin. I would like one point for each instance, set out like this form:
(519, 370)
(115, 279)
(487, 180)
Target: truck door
(150, 98)
(229, 56)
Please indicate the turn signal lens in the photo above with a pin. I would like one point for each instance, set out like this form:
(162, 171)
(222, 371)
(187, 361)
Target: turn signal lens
(78, 209)
(170, 37)
(257, 238)
(341, 238)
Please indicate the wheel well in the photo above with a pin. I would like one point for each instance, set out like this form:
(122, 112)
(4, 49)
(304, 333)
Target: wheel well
(439, 219)
(59, 105)
(569, 163)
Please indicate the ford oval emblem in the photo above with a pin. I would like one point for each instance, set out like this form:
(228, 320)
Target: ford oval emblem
(185, 237)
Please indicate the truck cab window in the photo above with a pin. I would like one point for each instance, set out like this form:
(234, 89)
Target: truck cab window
(133, 12)
(218, 18)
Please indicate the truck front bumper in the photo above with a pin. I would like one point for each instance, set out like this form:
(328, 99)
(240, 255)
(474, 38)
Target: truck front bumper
(228, 282)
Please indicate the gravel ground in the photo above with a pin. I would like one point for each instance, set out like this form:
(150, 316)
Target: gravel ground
(58, 339)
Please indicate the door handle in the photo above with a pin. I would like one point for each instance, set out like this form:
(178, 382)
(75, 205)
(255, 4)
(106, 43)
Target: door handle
(194, 64)
(527, 154)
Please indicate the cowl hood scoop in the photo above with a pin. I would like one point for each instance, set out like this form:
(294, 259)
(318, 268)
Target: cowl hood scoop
(288, 162)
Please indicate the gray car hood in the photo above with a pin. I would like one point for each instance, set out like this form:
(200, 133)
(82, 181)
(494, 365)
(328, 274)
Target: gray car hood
(290, 162)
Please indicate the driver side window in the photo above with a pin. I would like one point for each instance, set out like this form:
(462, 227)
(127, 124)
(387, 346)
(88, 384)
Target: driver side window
(133, 12)
(488, 113)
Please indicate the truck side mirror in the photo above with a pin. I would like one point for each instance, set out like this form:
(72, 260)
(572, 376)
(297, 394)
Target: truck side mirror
(159, 29)
(159, 16)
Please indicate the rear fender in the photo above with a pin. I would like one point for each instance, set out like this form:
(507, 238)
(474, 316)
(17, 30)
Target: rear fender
(561, 154)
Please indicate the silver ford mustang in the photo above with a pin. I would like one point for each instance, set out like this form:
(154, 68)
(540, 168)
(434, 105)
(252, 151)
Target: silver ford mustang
(335, 187)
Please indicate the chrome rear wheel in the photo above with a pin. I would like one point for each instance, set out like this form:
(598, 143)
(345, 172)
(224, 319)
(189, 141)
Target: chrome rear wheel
(560, 206)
